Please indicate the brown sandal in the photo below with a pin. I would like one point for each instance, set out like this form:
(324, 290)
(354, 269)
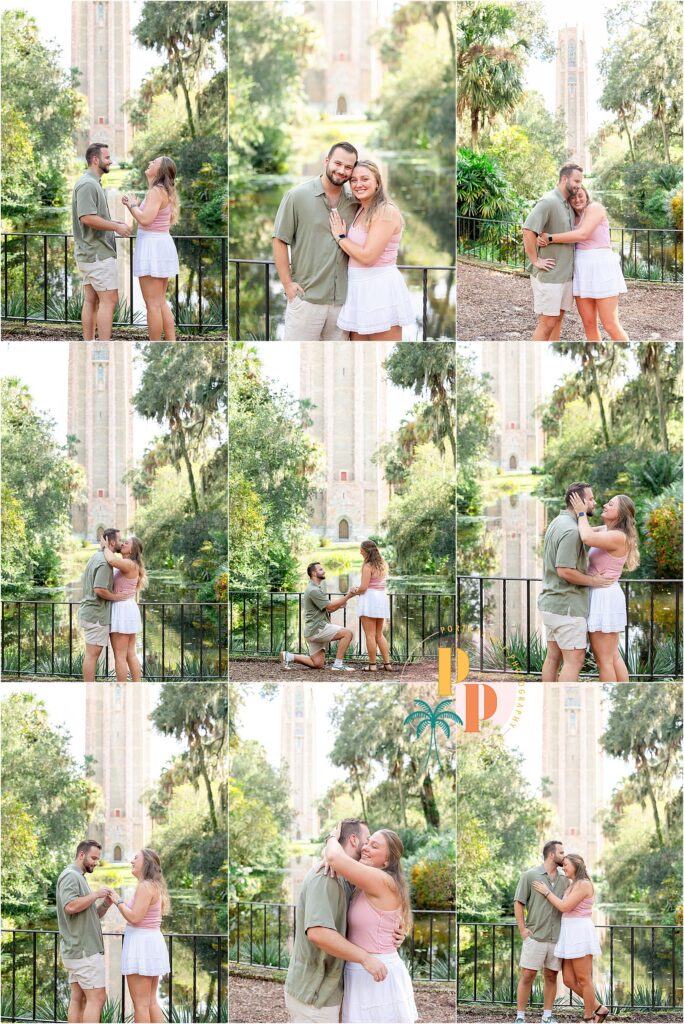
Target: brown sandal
(369, 668)
(387, 666)
(600, 1017)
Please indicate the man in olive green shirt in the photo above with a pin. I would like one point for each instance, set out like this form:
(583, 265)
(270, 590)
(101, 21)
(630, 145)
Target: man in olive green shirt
(551, 273)
(319, 631)
(314, 275)
(314, 986)
(539, 924)
(95, 611)
(95, 245)
(564, 597)
(81, 942)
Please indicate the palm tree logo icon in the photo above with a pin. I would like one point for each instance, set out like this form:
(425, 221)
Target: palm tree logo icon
(432, 718)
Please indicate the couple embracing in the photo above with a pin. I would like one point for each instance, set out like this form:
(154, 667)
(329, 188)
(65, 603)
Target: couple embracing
(353, 913)
(581, 592)
(144, 956)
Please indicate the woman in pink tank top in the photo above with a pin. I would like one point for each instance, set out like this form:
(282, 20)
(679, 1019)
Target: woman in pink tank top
(380, 904)
(612, 547)
(598, 279)
(155, 259)
(378, 303)
(144, 956)
(374, 607)
(578, 941)
(129, 579)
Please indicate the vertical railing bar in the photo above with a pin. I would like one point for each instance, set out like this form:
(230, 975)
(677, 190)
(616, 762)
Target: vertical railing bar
(45, 238)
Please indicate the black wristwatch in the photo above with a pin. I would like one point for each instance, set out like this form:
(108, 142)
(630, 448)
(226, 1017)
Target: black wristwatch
(341, 236)
(550, 238)
(581, 514)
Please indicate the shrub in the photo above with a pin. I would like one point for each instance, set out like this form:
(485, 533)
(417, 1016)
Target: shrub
(663, 524)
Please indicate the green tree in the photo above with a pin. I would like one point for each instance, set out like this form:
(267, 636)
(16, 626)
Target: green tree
(429, 371)
(599, 362)
(474, 429)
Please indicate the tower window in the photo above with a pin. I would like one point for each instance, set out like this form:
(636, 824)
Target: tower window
(100, 492)
(343, 474)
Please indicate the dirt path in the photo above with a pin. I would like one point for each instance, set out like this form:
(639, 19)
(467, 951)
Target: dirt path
(264, 670)
(566, 1015)
(495, 305)
(12, 331)
(261, 999)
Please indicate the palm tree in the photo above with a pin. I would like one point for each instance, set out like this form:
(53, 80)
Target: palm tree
(432, 718)
(596, 359)
(649, 362)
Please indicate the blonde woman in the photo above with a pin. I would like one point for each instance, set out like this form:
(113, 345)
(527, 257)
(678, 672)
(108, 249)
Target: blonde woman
(379, 907)
(155, 259)
(373, 606)
(578, 942)
(144, 957)
(378, 302)
(613, 547)
(129, 579)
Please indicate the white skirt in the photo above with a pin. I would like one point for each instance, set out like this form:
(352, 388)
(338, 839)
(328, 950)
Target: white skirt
(154, 254)
(577, 938)
(374, 603)
(377, 299)
(125, 617)
(598, 274)
(144, 952)
(607, 609)
(390, 1001)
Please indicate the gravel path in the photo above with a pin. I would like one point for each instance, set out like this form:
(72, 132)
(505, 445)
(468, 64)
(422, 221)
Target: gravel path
(495, 305)
(12, 331)
(568, 1015)
(264, 670)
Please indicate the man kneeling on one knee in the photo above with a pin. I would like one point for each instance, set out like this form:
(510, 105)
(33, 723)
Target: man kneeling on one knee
(319, 631)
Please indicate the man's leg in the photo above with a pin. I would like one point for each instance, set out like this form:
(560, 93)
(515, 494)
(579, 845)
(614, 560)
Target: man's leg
(77, 1003)
(550, 987)
(344, 638)
(105, 314)
(331, 332)
(573, 660)
(92, 653)
(304, 321)
(556, 332)
(544, 328)
(527, 977)
(552, 662)
(89, 312)
(95, 998)
(316, 660)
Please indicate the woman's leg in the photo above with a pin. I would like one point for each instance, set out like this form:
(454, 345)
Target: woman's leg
(393, 334)
(368, 626)
(608, 311)
(569, 979)
(167, 316)
(604, 646)
(380, 640)
(156, 1015)
(119, 642)
(132, 658)
(139, 987)
(583, 969)
(619, 667)
(151, 288)
(587, 310)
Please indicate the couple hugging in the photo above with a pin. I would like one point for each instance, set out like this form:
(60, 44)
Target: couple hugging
(553, 914)
(353, 912)
(578, 261)
(155, 259)
(373, 610)
(581, 591)
(340, 275)
(144, 956)
(109, 613)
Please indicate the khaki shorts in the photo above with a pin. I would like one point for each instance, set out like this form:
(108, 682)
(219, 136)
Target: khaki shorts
(307, 321)
(95, 633)
(88, 972)
(535, 955)
(321, 640)
(102, 274)
(304, 1013)
(549, 299)
(568, 631)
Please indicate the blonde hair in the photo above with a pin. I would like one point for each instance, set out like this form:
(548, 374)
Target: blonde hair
(372, 557)
(626, 523)
(152, 872)
(166, 178)
(395, 851)
(586, 192)
(581, 873)
(380, 200)
(136, 556)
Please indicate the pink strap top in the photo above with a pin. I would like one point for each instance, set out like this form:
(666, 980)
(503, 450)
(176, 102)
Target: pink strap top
(377, 583)
(122, 585)
(601, 561)
(387, 258)
(162, 222)
(583, 909)
(369, 928)
(153, 915)
(598, 239)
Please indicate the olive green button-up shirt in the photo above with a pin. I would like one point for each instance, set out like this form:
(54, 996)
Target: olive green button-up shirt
(563, 548)
(97, 573)
(553, 214)
(80, 934)
(542, 918)
(314, 977)
(315, 604)
(317, 262)
(89, 198)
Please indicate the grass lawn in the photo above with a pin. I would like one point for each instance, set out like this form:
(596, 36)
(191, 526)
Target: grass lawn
(510, 483)
(339, 556)
(74, 560)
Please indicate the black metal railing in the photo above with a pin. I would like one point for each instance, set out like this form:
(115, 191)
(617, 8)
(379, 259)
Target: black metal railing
(36, 960)
(649, 254)
(261, 934)
(38, 264)
(639, 965)
(267, 303)
(269, 622)
(184, 640)
(653, 640)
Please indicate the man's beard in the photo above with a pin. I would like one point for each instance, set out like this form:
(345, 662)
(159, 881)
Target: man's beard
(329, 175)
